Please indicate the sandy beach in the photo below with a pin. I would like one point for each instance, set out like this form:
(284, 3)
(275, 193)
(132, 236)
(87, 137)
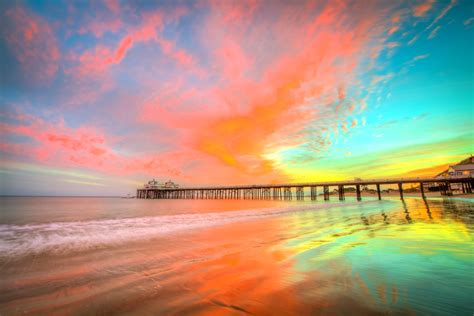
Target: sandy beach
(256, 257)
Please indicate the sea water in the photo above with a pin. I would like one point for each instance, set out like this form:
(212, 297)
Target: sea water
(71, 255)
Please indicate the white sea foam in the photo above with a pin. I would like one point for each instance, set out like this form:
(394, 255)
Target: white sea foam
(63, 237)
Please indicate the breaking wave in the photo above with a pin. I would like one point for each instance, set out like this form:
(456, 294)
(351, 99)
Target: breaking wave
(63, 237)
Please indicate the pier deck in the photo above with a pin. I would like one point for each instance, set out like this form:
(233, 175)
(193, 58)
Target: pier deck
(289, 191)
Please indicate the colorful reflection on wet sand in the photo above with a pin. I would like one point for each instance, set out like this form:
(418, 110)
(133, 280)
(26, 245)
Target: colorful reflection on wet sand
(374, 257)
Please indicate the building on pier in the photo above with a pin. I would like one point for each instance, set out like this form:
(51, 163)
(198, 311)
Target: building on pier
(465, 168)
(154, 184)
(461, 169)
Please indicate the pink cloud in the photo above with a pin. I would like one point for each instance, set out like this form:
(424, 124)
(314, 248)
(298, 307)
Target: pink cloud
(234, 11)
(99, 58)
(55, 144)
(274, 78)
(91, 62)
(178, 55)
(422, 8)
(33, 43)
(112, 5)
(420, 57)
(124, 45)
(443, 12)
(393, 29)
(100, 25)
(232, 59)
(103, 17)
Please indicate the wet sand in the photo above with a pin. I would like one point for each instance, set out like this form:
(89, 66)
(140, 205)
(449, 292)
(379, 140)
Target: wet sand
(368, 258)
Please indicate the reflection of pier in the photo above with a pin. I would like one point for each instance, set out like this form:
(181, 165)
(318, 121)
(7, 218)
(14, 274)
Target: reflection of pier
(286, 191)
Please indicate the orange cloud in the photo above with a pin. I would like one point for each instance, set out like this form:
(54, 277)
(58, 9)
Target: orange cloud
(430, 171)
(265, 94)
(275, 105)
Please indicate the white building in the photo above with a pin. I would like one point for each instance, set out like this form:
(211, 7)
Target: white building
(154, 184)
(463, 169)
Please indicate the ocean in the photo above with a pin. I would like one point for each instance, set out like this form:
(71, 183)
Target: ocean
(88, 255)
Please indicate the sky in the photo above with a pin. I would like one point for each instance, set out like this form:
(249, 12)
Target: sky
(98, 97)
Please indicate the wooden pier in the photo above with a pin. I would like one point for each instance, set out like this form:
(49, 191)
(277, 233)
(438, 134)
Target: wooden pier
(297, 190)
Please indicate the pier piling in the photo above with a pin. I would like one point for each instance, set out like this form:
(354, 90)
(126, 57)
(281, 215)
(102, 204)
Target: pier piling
(314, 193)
(422, 190)
(326, 192)
(340, 189)
(400, 189)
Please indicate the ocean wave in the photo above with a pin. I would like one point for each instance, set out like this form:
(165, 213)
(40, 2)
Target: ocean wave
(65, 237)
